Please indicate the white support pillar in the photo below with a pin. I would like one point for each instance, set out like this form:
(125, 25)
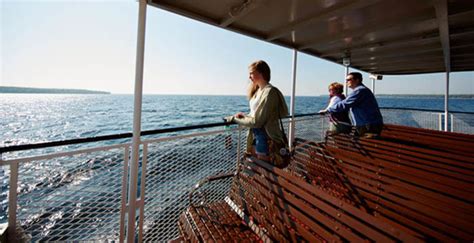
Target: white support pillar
(345, 83)
(12, 200)
(440, 121)
(441, 7)
(346, 61)
(291, 130)
(137, 113)
(373, 85)
(446, 103)
(452, 123)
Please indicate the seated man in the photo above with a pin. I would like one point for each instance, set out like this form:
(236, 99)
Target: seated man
(363, 107)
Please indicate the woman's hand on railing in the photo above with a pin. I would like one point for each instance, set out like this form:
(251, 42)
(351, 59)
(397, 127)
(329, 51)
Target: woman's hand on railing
(232, 118)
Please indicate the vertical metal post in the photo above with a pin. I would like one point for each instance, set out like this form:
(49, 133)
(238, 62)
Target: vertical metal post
(123, 202)
(441, 7)
(440, 121)
(291, 129)
(446, 103)
(12, 200)
(239, 144)
(346, 89)
(137, 112)
(323, 129)
(452, 123)
(142, 192)
(373, 85)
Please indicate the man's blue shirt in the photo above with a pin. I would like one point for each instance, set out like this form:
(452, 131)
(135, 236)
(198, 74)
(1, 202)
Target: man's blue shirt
(363, 107)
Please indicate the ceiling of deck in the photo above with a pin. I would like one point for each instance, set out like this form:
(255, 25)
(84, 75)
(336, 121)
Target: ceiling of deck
(379, 36)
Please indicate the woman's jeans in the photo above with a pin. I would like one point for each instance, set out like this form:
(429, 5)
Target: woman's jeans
(260, 141)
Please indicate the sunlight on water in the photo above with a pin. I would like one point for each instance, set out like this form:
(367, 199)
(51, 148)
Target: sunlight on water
(32, 118)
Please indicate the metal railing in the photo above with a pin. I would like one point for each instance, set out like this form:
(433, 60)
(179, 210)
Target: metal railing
(68, 195)
(172, 166)
(460, 122)
(82, 195)
(414, 118)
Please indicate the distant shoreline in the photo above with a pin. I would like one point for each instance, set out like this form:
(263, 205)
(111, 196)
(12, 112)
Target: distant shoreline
(29, 90)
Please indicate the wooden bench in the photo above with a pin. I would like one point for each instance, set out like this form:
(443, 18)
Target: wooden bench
(456, 143)
(426, 190)
(243, 215)
(283, 207)
(439, 170)
(216, 221)
(213, 222)
(405, 151)
(347, 189)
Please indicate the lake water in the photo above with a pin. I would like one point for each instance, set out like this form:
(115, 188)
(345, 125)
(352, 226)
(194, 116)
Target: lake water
(31, 118)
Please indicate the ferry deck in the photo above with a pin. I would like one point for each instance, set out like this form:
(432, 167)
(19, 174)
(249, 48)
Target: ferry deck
(351, 190)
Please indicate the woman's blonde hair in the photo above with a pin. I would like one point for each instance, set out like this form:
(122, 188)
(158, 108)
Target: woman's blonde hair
(338, 87)
(263, 68)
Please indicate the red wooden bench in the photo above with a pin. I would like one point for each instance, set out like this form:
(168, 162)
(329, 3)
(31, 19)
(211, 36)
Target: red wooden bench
(394, 188)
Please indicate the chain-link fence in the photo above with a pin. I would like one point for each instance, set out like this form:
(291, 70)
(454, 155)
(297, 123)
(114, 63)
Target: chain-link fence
(73, 196)
(462, 123)
(175, 165)
(413, 118)
(311, 127)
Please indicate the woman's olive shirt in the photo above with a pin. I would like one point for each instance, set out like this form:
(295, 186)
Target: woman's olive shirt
(271, 108)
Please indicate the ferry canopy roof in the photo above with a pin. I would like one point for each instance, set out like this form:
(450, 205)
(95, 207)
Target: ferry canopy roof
(379, 36)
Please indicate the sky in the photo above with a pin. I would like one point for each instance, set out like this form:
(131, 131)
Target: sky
(91, 44)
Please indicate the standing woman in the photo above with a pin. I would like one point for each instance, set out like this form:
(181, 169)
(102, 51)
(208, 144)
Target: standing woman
(267, 105)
